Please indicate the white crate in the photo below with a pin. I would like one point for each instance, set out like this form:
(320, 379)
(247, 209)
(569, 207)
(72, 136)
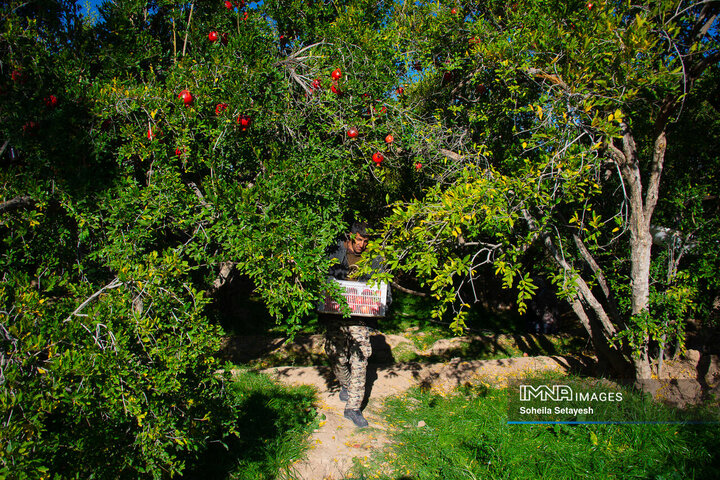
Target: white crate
(364, 300)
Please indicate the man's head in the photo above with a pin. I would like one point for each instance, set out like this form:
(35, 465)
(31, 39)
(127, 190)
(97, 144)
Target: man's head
(358, 238)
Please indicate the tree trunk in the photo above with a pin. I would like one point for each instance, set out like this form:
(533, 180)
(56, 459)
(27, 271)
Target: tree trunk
(640, 249)
(641, 211)
(642, 365)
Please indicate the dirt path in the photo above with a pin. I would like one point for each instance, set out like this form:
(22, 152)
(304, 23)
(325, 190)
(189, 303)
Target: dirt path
(337, 441)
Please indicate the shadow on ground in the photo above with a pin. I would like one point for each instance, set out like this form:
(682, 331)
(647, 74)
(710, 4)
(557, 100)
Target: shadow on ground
(261, 351)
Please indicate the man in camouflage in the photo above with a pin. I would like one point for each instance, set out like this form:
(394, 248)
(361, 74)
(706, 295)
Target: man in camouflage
(347, 341)
(348, 347)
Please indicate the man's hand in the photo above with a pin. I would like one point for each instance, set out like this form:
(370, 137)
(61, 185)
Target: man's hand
(353, 271)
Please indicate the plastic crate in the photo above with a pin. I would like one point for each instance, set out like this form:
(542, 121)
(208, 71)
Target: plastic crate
(364, 300)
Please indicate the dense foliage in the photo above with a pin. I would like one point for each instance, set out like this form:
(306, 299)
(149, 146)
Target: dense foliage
(150, 154)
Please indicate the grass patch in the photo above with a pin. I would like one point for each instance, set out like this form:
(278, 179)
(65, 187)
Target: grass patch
(466, 437)
(405, 352)
(425, 338)
(273, 427)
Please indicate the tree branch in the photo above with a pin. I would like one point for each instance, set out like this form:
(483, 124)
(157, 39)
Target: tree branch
(451, 155)
(697, 69)
(407, 290)
(193, 186)
(554, 79)
(114, 284)
(17, 202)
(631, 173)
(225, 270)
(602, 346)
(587, 256)
(707, 17)
(617, 155)
(583, 289)
(667, 108)
(651, 197)
(187, 29)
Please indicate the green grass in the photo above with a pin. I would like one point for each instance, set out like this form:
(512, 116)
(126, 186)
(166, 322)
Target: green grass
(466, 437)
(274, 426)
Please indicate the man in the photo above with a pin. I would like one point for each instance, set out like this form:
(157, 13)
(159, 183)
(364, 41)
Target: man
(347, 341)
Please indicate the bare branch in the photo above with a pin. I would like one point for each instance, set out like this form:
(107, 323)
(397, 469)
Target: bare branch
(678, 12)
(697, 69)
(193, 186)
(587, 256)
(617, 155)
(114, 284)
(668, 107)
(225, 270)
(631, 173)
(294, 61)
(706, 27)
(629, 147)
(450, 155)
(17, 202)
(407, 290)
(552, 78)
(187, 30)
(615, 357)
(582, 286)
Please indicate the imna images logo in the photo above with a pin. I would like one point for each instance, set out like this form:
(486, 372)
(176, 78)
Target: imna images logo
(555, 393)
(560, 393)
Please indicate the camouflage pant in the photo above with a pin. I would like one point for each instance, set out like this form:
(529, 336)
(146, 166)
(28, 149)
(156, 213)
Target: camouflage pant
(348, 347)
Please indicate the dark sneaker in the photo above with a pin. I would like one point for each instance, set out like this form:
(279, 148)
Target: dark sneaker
(343, 394)
(357, 418)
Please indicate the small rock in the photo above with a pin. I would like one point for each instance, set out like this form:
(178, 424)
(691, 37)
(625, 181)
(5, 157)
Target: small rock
(693, 355)
(421, 423)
